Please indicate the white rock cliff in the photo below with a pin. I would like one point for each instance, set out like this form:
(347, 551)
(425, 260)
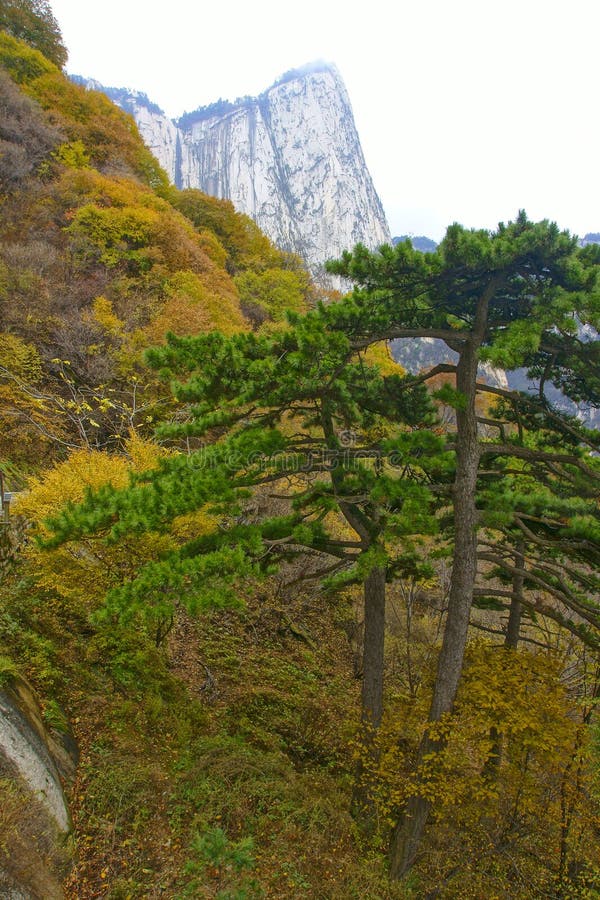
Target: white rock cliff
(291, 159)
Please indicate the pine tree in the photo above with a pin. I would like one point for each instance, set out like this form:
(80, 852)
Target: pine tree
(303, 407)
(515, 297)
(300, 412)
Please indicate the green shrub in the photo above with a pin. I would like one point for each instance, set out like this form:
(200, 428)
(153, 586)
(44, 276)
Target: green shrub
(8, 670)
(225, 863)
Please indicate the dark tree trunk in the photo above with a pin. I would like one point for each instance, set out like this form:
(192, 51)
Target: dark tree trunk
(374, 635)
(371, 697)
(511, 642)
(407, 835)
(513, 629)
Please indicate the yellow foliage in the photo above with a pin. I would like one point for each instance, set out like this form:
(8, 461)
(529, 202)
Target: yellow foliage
(197, 304)
(337, 525)
(144, 455)
(104, 315)
(274, 290)
(114, 215)
(23, 424)
(518, 695)
(222, 301)
(513, 771)
(73, 155)
(68, 481)
(245, 244)
(77, 187)
(380, 355)
(194, 525)
(19, 358)
(213, 247)
(23, 63)
(27, 427)
(84, 570)
(88, 117)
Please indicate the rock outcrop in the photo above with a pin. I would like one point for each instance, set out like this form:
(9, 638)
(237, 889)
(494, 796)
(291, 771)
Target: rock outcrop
(34, 818)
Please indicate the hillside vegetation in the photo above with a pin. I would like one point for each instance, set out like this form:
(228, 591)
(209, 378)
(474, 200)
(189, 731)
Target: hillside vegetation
(231, 566)
(100, 257)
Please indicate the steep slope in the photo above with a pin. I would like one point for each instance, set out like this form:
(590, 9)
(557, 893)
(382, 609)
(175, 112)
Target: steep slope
(291, 159)
(99, 258)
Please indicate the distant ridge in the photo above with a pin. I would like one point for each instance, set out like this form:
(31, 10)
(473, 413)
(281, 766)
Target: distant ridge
(592, 237)
(419, 242)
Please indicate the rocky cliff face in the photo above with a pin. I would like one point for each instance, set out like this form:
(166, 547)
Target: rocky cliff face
(290, 158)
(34, 763)
(160, 134)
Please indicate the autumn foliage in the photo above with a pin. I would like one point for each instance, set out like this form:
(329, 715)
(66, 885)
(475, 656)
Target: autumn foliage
(209, 462)
(89, 221)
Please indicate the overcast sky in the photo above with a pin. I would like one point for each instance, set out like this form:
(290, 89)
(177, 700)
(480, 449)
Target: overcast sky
(467, 110)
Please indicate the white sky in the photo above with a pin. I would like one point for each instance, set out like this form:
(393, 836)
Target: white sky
(467, 110)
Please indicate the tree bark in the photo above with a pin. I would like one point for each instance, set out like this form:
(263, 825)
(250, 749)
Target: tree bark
(372, 695)
(513, 628)
(366, 528)
(511, 642)
(408, 833)
(374, 635)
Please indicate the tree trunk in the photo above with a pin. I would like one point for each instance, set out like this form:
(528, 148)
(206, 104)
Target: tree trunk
(513, 629)
(374, 635)
(407, 835)
(372, 696)
(511, 642)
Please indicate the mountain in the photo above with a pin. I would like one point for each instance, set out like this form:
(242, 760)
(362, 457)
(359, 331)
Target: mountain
(290, 158)
(590, 238)
(419, 242)
(98, 250)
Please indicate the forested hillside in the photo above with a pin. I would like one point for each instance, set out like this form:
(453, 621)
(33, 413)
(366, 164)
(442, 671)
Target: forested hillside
(99, 258)
(305, 625)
